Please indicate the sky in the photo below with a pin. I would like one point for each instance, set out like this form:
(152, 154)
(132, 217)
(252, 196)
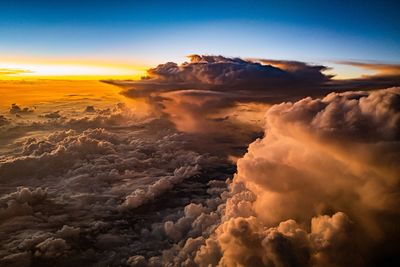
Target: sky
(122, 38)
(199, 133)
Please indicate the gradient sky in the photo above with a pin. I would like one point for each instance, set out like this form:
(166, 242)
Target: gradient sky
(147, 33)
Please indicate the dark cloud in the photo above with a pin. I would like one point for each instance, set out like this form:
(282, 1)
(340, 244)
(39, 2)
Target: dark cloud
(90, 109)
(52, 115)
(15, 109)
(3, 120)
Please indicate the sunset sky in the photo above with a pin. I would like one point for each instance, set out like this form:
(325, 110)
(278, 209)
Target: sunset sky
(199, 133)
(122, 38)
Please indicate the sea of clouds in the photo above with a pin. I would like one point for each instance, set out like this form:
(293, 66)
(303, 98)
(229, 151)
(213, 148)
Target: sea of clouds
(106, 187)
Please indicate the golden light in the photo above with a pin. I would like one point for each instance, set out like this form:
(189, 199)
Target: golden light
(14, 70)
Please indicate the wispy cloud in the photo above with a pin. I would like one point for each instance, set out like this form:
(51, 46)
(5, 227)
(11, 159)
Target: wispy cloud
(383, 76)
(12, 71)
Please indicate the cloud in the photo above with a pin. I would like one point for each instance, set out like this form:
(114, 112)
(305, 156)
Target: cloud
(3, 120)
(385, 76)
(89, 109)
(52, 115)
(112, 188)
(142, 196)
(15, 109)
(319, 189)
(196, 94)
(97, 195)
(257, 80)
(229, 78)
(51, 121)
(11, 72)
(52, 248)
(381, 68)
(328, 165)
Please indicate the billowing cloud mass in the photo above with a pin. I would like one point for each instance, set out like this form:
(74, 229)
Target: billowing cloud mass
(231, 76)
(259, 80)
(320, 189)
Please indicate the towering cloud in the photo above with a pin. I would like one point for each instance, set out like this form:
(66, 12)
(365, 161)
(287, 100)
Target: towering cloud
(229, 78)
(325, 180)
(195, 93)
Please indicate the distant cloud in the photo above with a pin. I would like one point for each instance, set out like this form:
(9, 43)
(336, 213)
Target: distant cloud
(381, 68)
(9, 72)
(15, 109)
(3, 120)
(260, 80)
(230, 78)
(387, 75)
(194, 92)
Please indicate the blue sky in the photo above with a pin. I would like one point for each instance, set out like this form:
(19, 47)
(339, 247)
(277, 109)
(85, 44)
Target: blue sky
(151, 32)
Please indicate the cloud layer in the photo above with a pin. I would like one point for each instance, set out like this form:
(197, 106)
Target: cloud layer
(93, 189)
(100, 186)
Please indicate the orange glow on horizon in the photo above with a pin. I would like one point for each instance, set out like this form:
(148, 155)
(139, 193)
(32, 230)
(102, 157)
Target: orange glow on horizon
(28, 69)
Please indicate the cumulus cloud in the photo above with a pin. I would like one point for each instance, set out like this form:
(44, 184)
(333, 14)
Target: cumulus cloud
(214, 82)
(117, 116)
(196, 95)
(15, 109)
(231, 76)
(94, 195)
(324, 185)
(90, 109)
(52, 248)
(52, 115)
(319, 189)
(3, 120)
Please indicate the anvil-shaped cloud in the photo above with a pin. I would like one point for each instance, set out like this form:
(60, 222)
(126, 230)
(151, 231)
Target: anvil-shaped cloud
(196, 93)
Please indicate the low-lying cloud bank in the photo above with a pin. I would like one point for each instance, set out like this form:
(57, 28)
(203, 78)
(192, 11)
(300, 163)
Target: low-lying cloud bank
(92, 189)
